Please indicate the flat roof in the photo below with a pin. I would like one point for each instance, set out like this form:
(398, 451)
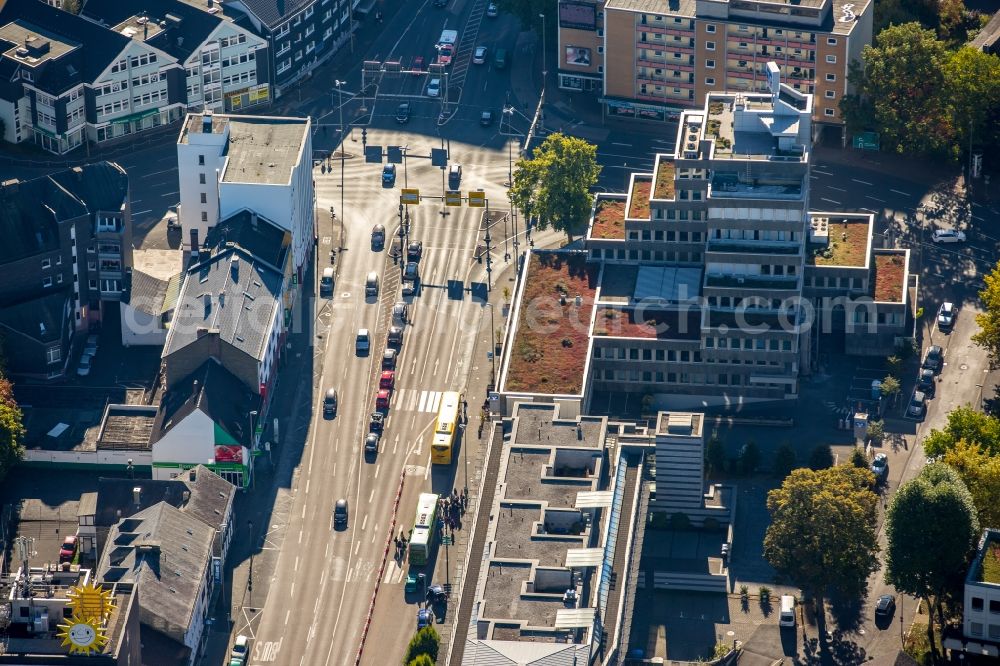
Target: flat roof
(40, 44)
(839, 239)
(889, 281)
(265, 150)
(127, 427)
(138, 27)
(667, 284)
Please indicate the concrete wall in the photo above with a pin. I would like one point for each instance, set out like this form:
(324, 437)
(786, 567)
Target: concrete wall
(210, 146)
(190, 441)
(101, 458)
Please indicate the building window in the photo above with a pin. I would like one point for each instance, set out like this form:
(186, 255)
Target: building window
(53, 354)
(830, 94)
(201, 160)
(832, 59)
(995, 605)
(994, 631)
(831, 77)
(201, 179)
(709, 81)
(46, 282)
(977, 629)
(828, 112)
(46, 263)
(977, 604)
(204, 198)
(204, 216)
(832, 41)
(709, 46)
(709, 27)
(710, 64)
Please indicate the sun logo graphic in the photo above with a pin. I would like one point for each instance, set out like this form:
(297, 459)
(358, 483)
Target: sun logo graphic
(85, 631)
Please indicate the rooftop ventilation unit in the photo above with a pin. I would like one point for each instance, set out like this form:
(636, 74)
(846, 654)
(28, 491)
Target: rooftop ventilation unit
(819, 230)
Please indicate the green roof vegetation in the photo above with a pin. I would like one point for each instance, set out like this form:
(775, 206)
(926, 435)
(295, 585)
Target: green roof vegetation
(609, 219)
(639, 205)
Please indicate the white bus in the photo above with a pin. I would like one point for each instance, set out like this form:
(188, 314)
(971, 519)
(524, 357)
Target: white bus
(424, 528)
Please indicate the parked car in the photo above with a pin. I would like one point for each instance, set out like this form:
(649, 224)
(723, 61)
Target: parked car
(948, 236)
(330, 403)
(500, 58)
(340, 513)
(389, 359)
(395, 338)
(885, 606)
(479, 55)
(241, 649)
(90, 346)
(491, 10)
(933, 359)
(486, 118)
(918, 404)
(403, 113)
(371, 284)
(371, 442)
(946, 316)
(363, 343)
(387, 381)
(382, 399)
(411, 271)
(326, 282)
(414, 251)
(83, 369)
(454, 176)
(926, 383)
(389, 175)
(880, 467)
(378, 236)
(434, 88)
(68, 549)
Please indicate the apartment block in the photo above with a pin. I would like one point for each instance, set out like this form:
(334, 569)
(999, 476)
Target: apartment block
(980, 633)
(709, 282)
(652, 59)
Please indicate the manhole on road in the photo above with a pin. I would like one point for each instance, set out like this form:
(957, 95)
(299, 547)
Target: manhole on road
(964, 366)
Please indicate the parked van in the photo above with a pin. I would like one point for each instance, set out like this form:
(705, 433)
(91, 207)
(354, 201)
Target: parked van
(326, 282)
(787, 616)
(500, 58)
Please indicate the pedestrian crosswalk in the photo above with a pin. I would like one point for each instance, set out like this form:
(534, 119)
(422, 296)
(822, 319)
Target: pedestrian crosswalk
(416, 400)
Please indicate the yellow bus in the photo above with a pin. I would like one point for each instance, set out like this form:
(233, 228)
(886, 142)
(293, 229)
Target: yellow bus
(445, 427)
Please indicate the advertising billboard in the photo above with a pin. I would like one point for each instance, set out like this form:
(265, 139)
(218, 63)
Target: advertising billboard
(577, 15)
(578, 56)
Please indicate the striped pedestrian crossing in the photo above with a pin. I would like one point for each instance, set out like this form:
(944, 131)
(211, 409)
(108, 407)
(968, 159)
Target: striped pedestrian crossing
(416, 400)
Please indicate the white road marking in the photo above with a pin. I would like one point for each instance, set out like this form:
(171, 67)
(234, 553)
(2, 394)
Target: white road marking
(814, 177)
(357, 545)
(142, 212)
(291, 590)
(371, 495)
(169, 194)
(334, 469)
(898, 192)
(307, 486)
(157, 173)
(377, 467)
(287, 614)
(303, 511)
(300, 536)
(825, 173)
(839, 189)
(627, 145)
(874, 198)
(296, 563)
(435, 402)
(863, 182)
(423, 401)
(830, 200)
(375, 533)
(363, 524)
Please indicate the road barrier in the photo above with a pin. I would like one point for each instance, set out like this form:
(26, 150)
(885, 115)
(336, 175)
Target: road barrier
(381, 569)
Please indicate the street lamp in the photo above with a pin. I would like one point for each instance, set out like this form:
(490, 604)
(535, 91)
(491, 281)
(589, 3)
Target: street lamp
(250, 576)
(545, 71)
(340, 98)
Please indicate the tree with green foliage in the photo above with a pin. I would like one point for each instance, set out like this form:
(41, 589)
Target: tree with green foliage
(897, 12)
(715, 456)
(11, 429)
(988, 335)
(421, 660)
(784, 461)
(980, 472)
(972, 88)
(876, 431)
(931, 529)
(822, 533)
(554, 184)
(821, 457)
(527, 12)
(425, 642)
(965, 423)
(859, 459)
(899, 90)
(890, 386)
(749, 458)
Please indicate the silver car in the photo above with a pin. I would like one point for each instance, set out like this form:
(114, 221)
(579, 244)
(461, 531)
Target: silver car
(479, 56)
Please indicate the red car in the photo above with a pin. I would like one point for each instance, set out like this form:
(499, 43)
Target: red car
(382, 400)
(444, 54)
(388, 380)
(68, 549)
(418, 65)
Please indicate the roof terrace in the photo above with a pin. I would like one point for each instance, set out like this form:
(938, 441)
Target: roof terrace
(649, 324)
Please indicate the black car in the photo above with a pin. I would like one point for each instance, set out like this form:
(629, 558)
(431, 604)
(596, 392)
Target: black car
(377, 422)
(330, 403)
(486, 118)
(414, 251)
(340, 513)
(411, 271)
(934, 358)
(925, 382)
(885, 606)
(378, 237)
(403, 113)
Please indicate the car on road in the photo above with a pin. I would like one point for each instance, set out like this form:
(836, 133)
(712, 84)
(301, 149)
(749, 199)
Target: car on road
(241, 650)
(330, 403)
(411, 271)
(403, 113)
(389, 359)
(90, 346)
(885, 606)
(371, 442)
(378, 237)
(454, 176)
(445, 53)
(389, 175)
(479, 55)
(68, 548)
(486, 118)
(880, 467)
(440, 3)
(418, 65)
(425, 618)
(387, 381)
(414, 251)
(376, 423)
(491, 10)
(409, 287)
(946, 316)
(918, 404)
(933, 359)
(86, 363)
(926, 383)
(371, 284)
(500, 58)
(382, 399)
(399, 313)
(363, 343)
(395, 337)
(434, 88)
(948, 236)
(340, 513)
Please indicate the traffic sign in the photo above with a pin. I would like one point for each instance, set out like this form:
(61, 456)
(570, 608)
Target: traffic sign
(373, 154)
(394, 155)
(409, 196)
(477, 199)
(439, 157)
(866, 141)
(453, 198)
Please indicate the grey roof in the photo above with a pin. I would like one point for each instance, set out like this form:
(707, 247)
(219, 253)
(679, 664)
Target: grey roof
(254, 233)
(41, 319)
(667, 283)
(233, 295)
(216, 392)
(167, 553)
(986, 39)
(273, 12)
(145, 292)
(199, 492)
(264, 149)
(92, 47)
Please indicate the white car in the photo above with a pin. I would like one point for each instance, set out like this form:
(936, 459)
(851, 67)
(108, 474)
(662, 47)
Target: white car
(434, 88)
(479, 56)
(946, 315)
(240, 650)
(948, 236)
(90, 346)
(86, 362)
